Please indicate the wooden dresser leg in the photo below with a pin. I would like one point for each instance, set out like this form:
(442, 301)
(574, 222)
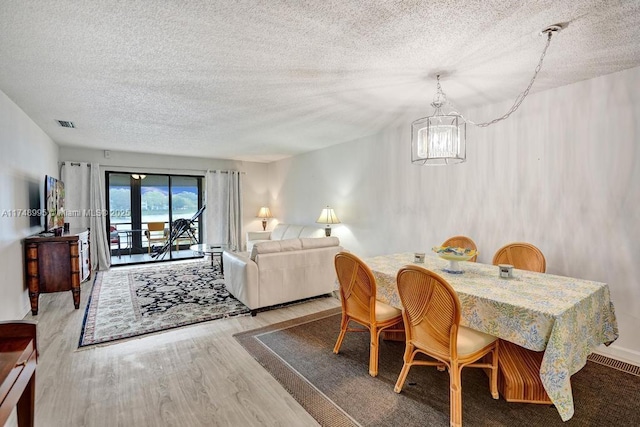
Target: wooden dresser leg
(76, 297)
(33, 298)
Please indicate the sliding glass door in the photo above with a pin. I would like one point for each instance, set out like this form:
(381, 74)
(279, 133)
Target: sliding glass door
(152, 216)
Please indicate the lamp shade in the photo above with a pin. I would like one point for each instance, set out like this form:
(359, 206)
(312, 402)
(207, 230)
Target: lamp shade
(328, 216)
(264, 212)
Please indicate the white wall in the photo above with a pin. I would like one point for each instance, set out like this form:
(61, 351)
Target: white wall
(254, 180)
(562, 173)
(27, 154)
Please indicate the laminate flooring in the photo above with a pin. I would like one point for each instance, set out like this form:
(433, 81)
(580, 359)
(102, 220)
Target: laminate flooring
(197, 375)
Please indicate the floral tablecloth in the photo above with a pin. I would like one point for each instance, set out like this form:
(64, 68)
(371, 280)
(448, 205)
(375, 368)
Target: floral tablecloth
(566, 317)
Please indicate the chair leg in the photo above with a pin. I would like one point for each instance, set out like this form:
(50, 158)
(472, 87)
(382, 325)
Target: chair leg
(373, 351)
(408, 358)
(494, 372)
(343, 331)
(455, 395)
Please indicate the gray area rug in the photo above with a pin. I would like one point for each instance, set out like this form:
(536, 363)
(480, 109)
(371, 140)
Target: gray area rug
(125, 303)
(338, 391)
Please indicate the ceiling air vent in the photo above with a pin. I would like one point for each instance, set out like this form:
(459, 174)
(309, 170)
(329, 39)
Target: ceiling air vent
(66, 124)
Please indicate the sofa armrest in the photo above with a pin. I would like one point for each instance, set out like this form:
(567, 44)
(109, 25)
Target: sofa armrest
(241, 278)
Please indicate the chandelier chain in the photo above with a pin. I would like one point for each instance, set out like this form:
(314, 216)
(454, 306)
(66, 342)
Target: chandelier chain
(520, 97)
(440, 98)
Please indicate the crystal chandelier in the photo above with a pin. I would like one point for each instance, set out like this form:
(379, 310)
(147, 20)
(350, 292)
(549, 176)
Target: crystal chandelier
(440, 139)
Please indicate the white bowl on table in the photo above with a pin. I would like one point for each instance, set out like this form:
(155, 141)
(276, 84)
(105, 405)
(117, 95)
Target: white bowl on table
(454, 255)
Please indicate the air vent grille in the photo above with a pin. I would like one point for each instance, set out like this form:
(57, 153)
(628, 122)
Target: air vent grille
(66, 124)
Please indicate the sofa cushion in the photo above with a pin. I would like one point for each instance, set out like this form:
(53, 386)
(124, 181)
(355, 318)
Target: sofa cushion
(273, 246)
(293, 232)
(311, 232)
(265, 247)
(278, 232)
(290, 245)
(319, 242)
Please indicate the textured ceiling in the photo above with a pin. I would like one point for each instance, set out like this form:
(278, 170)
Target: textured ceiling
(263, 80)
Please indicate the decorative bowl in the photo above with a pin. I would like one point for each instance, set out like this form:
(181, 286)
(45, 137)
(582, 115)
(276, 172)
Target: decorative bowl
(454, 255)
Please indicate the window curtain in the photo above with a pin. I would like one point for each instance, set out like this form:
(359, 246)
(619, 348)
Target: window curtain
(223, 215)
(85, 208)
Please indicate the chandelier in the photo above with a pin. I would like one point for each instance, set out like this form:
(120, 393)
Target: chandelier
(440, 139)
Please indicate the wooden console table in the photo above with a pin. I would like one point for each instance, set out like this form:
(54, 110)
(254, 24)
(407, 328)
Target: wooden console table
(18, 358)
(55, 264)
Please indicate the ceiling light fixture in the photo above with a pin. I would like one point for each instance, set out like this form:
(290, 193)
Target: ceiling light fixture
(440, 139)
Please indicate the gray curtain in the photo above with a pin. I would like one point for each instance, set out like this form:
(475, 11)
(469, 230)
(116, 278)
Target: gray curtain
(85, 208)
(223, 215)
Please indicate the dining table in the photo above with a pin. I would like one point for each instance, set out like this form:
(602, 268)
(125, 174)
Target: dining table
(565, 317)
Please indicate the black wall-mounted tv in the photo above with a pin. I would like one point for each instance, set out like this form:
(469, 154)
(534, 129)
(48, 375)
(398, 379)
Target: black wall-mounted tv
(54, 202)
(35, 205)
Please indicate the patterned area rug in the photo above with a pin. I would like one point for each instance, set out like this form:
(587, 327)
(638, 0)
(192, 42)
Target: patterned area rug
(138, 301)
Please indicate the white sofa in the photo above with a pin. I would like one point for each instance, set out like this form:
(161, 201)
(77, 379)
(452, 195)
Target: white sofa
(281, 271)
(282, 232)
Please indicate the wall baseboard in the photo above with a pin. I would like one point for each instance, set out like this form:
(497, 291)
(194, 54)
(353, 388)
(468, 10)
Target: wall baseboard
(619, 353)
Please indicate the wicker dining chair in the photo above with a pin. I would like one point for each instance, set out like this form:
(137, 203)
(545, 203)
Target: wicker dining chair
(523, 256)
(431, 312)
(359, 304)
(519, 370)
(462, 242)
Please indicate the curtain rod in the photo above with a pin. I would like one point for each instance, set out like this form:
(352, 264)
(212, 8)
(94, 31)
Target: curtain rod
(74, 164)
(125, 167)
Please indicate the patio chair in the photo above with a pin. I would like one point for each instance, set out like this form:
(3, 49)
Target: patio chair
(155, 233)
(114, 239)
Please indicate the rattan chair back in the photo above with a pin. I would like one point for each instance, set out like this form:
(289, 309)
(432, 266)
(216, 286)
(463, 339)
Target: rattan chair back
(357, 287)
(431, 309)
(462, 242)
(523, 256)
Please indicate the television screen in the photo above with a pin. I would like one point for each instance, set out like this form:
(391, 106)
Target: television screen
(35, 205)
(54, 196)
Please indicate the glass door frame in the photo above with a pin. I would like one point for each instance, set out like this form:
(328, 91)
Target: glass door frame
(135, 239)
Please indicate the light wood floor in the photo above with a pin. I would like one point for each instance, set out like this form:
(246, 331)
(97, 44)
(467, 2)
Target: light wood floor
(194, 376)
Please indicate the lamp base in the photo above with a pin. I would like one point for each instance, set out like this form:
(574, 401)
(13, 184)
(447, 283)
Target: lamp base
(327, 231)
(264, 225)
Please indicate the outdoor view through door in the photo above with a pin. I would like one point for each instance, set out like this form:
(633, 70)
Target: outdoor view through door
(142, 211)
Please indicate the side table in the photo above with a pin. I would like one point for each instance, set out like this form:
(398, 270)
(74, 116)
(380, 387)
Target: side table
(213, 250)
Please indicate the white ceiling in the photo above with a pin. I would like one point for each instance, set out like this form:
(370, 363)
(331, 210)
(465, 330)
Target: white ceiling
(263, 80)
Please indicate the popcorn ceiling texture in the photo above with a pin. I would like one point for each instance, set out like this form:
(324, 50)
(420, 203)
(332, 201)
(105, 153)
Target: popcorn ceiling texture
(264, 80)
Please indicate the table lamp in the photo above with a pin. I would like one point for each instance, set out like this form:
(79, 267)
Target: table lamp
(264, 213)
(328, 216)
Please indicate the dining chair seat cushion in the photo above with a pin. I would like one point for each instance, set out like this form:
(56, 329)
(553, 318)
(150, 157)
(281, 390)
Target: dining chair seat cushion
(386, 312)
(470, 340)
